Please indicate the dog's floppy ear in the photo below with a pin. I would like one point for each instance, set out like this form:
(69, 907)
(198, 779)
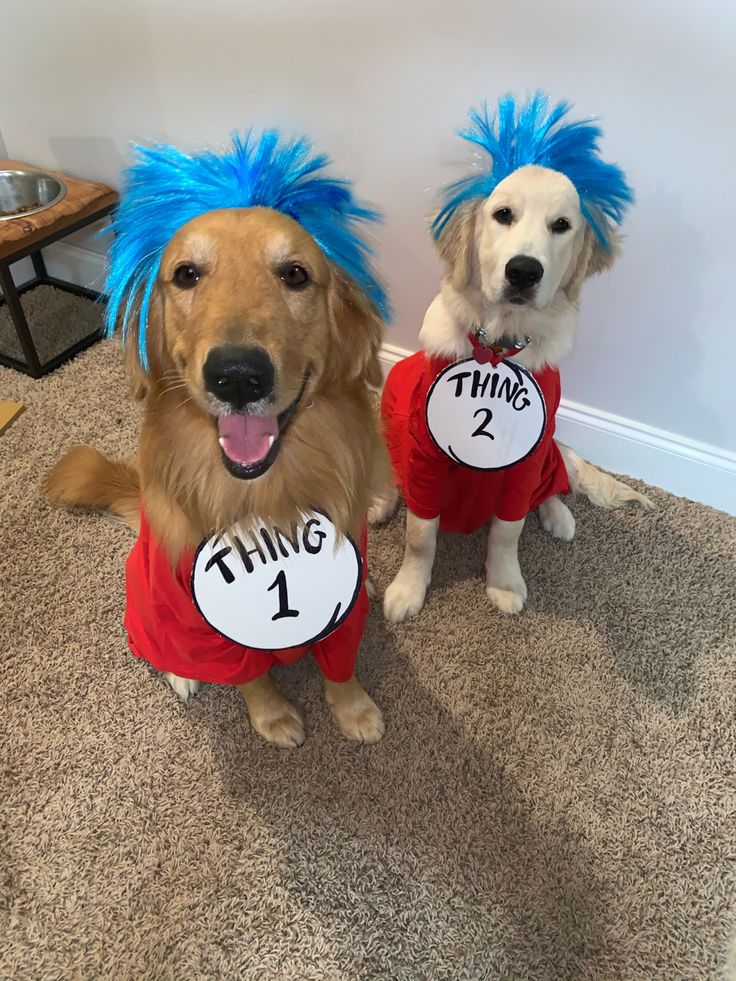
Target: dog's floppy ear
(356, 332)
(455, 245)
(140, 381)
(592, 258)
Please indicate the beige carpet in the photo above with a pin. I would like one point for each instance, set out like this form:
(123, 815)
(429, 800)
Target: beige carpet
(554, 797)
(55, 319)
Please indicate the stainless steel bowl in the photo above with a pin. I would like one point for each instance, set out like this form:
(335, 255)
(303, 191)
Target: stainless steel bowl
(26, 192)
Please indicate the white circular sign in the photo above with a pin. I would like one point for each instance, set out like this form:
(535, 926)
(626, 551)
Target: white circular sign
(272, 589)
(486, 417)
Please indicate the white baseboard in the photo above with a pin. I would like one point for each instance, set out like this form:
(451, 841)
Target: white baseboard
(67, 262)
(391, 355)
(76, 265)
(679, 465)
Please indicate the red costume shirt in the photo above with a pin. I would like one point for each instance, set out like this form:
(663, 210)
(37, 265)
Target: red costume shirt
(432, 484)
(165, 627)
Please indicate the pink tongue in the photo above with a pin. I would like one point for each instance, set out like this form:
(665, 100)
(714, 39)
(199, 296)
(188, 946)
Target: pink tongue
(247, 439)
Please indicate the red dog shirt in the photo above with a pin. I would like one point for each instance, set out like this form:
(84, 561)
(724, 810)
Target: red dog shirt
(166, 628)
(432, 484)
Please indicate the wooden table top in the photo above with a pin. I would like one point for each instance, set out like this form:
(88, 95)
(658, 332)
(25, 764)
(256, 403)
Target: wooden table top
(82, 199)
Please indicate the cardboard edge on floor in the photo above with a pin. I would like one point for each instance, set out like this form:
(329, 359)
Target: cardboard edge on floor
(9, 412)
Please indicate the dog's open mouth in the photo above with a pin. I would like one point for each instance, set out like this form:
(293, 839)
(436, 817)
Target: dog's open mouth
(251, 443)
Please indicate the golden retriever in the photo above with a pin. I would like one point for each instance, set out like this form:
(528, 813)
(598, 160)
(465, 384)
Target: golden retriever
(248, 321)
(515, 264)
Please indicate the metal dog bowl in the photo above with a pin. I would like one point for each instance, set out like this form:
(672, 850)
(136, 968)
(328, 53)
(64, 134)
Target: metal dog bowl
(26, 192)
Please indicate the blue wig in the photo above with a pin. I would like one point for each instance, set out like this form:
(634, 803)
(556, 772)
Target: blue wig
(166, 188)
(534, 133)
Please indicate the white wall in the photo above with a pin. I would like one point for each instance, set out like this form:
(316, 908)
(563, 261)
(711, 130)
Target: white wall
(382, 86)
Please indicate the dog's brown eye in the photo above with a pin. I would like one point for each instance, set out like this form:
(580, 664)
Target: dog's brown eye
(295, 276)
(186, 275)
(561, 225)
(504, 216)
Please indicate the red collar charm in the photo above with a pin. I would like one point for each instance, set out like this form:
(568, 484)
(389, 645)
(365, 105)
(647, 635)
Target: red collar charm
(497, 352)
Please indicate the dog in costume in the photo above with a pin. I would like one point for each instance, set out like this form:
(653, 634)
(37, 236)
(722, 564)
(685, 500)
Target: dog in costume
(251, 320)
(470, 419)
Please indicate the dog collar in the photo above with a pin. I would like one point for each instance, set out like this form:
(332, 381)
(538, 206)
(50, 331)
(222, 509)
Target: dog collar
(485, 351)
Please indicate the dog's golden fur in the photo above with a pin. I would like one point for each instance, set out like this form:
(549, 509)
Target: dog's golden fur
(330, 331)
(332, 455)
(84, 477)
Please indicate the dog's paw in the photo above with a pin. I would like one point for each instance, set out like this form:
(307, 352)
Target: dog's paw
(506, 589)
(404, 598)
(357, 715)
(557, 519)
(506, 600)
(383, 506)
(185, 688)
(364, 724)
(279, 724)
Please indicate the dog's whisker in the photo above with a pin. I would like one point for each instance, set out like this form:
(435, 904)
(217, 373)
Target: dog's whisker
(173, 387)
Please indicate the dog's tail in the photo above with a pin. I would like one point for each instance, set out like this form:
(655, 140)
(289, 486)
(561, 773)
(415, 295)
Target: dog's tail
(84, 477)
(600, 488)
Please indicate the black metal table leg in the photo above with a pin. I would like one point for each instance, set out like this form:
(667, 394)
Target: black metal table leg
(19, 321)
(39, 265)
(32, 365)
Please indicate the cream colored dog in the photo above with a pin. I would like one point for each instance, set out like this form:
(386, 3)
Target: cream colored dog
(516, 262)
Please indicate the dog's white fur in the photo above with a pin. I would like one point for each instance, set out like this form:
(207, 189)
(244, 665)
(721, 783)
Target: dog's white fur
(474, 294)
(185, 688)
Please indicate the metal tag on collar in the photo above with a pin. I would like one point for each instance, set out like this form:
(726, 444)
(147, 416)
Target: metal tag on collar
(517, 345)
(496, 351)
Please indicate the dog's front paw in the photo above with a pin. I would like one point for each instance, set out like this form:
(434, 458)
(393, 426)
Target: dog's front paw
(271, 714)
(557, 519)
(280, 724)
(185, 688)
(506, 589)
(404, 598)
(506, 600)
(356, 714)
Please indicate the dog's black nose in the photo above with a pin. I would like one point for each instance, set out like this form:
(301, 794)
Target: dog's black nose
(522, 271)
(238, 375)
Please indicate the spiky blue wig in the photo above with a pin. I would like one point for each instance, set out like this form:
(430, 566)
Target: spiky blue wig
(534, 133)
(166, 187)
